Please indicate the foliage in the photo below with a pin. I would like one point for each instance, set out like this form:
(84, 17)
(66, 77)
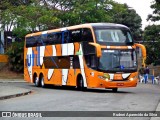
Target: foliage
(26, 16)
(15, 53)
(36, 18)
(126, 16)
(156, 11)
(40, 15)
(32, 17)
(7, 19)
(152, 40)
(152, 35)
(83, 11)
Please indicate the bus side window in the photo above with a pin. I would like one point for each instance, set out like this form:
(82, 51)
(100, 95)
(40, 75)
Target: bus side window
(54, 38)
(87, 58)
(40, 40)
(91, 61)
(50, 40)
(58, 38)
(87, 35)
(66, 37)
(30, 42)
(75, 35)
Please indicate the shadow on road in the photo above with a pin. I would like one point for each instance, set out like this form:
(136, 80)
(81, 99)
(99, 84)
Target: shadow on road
(94, 90)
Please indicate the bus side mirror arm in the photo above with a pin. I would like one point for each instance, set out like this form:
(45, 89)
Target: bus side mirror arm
(143, 48)
(98, 49)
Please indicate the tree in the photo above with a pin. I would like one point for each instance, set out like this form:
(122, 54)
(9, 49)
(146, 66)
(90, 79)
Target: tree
(47, 14)
(152, 40)
(36, 18)
(156, 11)
(152, 35)
(26, 16)
(127, 16)
(84, 11)
(15, 56)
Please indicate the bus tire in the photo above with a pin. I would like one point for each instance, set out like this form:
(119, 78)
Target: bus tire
(36, 80)
(41, 79)
(80, 83)
(115, 89)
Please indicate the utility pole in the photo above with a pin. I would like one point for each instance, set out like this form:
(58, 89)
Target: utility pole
(1, 37)
(2, 42)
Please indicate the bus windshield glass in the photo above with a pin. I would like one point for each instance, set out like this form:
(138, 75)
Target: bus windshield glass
(114, 36)
(118, 61)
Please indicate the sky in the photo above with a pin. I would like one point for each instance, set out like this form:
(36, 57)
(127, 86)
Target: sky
(142, 8)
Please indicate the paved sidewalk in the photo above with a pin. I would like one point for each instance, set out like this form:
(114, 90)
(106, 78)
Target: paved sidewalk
(7, 91)
(11, 80)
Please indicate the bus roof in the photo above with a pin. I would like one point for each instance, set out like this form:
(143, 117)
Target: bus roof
(107, 25)
(88, 25)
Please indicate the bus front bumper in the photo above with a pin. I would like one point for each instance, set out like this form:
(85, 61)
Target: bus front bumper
(118, 84)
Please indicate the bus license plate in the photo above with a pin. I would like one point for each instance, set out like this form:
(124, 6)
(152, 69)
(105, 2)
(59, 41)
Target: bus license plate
(120, 84)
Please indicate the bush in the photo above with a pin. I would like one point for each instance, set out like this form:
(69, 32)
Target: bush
(15, 56)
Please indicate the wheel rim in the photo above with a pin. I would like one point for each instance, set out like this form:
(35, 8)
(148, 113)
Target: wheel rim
(36, 81)
(42, 81)
(81, 83)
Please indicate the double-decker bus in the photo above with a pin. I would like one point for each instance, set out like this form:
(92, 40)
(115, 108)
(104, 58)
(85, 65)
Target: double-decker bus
(93, 55)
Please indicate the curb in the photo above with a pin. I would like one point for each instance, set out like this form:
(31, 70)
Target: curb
(12, 81)
(15, 95)
(157, 109)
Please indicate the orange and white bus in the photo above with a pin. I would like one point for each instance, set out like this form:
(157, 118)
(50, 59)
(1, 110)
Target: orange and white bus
(93, 55)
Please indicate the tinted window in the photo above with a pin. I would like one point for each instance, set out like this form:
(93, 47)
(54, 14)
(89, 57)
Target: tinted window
(91, 61)
(35, 41)
(42, 40)
(50, 39)
(54, 38)
(75, 35)
(87, 35)
(66, 37)
(31, 41)
(111, 36)
(79, 35)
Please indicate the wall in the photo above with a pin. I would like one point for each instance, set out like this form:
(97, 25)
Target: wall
(3, 60)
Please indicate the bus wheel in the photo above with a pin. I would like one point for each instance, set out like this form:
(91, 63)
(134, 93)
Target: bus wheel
(36, 81)
(80, 84)
(42, 81)
(115, 89)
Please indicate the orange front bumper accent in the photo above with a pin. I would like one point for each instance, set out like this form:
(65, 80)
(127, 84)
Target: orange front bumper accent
(117, 84)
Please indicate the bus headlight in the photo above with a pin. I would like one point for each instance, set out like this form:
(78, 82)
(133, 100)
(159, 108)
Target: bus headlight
(104, 77)
(133, 78)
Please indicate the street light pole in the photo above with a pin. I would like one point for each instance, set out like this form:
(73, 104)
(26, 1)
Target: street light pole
(1, 41)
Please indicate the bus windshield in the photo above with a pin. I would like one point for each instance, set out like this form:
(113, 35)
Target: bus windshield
(117, 35)
(118, 61)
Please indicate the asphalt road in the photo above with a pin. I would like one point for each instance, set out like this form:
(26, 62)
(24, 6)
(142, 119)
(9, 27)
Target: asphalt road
(145, 97)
